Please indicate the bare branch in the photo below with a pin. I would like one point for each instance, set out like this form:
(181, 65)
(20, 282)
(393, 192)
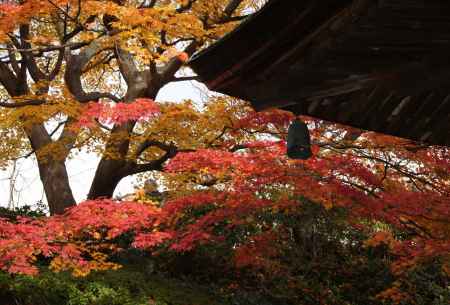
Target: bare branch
(186, 78)
(103, 126)
(40, 50)
(22, 103)
(66, 14)
(60, 124)
(175, 42)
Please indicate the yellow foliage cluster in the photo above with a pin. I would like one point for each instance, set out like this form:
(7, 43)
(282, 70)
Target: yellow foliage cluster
(98, 262)
(152, 35)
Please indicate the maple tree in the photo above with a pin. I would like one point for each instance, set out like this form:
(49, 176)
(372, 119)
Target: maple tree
(61, 60)
(243, 194)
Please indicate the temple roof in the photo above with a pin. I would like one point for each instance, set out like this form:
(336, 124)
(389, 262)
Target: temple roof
(379, 65)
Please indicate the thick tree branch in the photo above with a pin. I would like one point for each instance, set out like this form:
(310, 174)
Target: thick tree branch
(30, 61)
(233, 19)
(168, 73)
(231, 7)
(68, 137)
(74, 71)
(105, 60)
(14, 64)
(155, 165)
(127, 67)
(152, 143)
(9, 80)
(51, 76)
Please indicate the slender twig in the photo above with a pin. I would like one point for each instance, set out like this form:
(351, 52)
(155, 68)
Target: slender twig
(22, 103)
(71, 46)
(186, 78)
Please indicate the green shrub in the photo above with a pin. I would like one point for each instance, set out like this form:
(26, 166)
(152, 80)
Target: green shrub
(128, 286)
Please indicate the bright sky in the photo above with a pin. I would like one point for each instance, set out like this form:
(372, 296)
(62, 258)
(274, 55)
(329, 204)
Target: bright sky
(81, 170)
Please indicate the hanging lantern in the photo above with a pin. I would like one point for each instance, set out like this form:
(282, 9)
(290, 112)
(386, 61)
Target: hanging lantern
(298, 141)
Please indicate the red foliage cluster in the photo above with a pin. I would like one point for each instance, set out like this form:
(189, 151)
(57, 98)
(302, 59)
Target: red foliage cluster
(257, 179)
(256, 252)
(9, 8)
(69, 237)
(119, 113)
(342, 180)
(12, 14)
(256, 120)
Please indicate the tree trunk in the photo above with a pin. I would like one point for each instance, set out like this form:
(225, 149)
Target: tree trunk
(56, 186)
(52, 171)
(107, 177)
(110, 171)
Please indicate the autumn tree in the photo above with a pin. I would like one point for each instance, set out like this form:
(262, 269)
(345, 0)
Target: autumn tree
(64, 61)
(359, 214)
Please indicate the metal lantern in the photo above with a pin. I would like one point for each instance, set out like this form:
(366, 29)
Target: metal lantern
(298, 141)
